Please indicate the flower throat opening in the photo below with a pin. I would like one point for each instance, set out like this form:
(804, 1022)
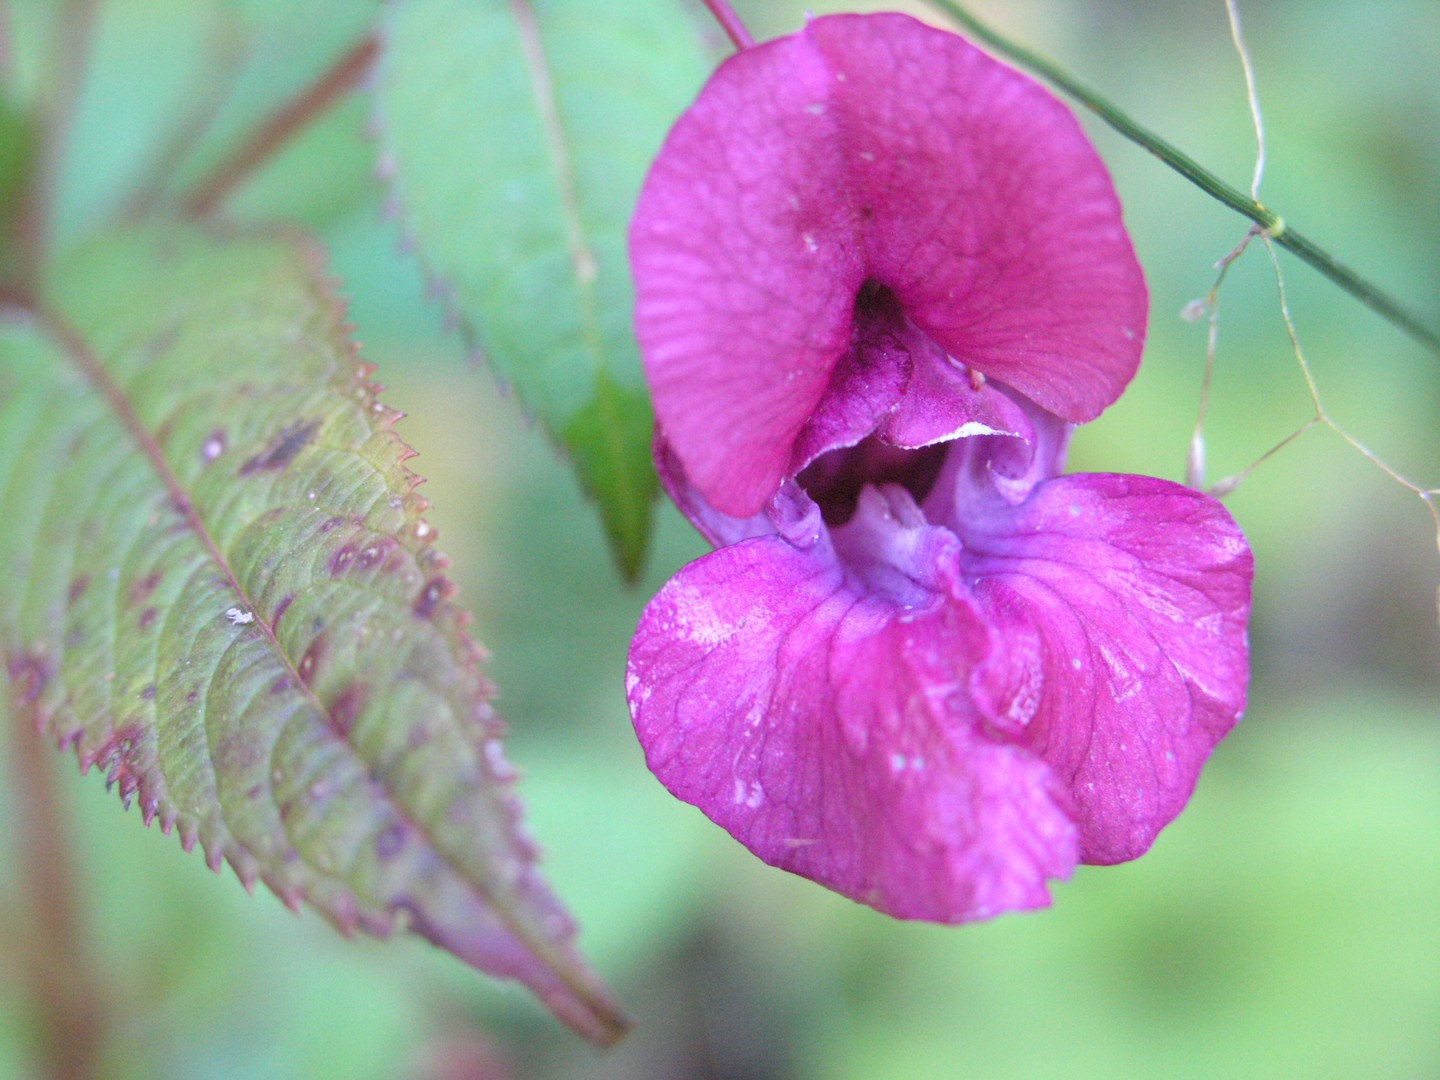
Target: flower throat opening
(835, 479)
(879, 347)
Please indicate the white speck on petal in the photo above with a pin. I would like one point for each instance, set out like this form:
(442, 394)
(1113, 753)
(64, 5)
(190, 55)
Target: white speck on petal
(752, 795)
(698, 621)
(971, 428)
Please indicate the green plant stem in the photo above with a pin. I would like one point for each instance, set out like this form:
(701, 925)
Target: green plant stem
(281, 126)
(1272, 223)
(59, 971)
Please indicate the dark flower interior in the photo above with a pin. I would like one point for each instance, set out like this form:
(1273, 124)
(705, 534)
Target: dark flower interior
(880, 340)
(835, 479)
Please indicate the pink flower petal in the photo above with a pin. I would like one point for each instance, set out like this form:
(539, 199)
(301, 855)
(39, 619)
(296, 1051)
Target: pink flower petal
(833, 732)
(942, 403)
(1123, 602)
(867, 383)
(870, 149)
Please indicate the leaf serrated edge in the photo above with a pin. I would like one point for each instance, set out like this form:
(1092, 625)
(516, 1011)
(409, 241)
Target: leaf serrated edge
(598, 1017)
(606, 1022)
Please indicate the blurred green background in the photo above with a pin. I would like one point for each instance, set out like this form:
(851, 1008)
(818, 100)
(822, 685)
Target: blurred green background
(1288, 924)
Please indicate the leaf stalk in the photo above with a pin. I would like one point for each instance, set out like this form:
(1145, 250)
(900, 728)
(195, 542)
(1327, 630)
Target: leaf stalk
(278, 129)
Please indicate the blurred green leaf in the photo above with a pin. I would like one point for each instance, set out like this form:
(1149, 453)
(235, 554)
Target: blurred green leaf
(515, 137)
(17, 148)
(220, 590)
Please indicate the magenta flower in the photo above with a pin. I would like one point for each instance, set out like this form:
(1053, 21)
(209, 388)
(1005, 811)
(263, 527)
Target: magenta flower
(879, 277)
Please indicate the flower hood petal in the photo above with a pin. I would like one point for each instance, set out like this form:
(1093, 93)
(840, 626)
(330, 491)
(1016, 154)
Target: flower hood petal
(870, 150)
(834, 732)
(1123, 602)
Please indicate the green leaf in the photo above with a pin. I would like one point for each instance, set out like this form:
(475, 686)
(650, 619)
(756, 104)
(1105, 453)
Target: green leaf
(220, 590)
(515, 136)
(17, 153)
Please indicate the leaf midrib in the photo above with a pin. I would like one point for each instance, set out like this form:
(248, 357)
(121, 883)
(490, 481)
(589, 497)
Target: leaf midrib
(582, 258)
(79, 352)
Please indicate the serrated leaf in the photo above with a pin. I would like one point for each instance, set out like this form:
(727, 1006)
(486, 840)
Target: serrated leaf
(220, 590)
(515, 136)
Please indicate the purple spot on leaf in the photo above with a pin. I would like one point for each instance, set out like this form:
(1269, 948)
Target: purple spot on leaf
(389, 843)
(280, 610)
(283, 447)
(374, 553)
(141, 590)
(311, 660)
(30, 673)
(340, 561)
(435, 590)
(346, 707)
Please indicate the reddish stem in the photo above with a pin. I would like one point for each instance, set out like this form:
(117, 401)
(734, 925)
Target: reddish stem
(731, 23)
(61, 975)
(281, 125)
